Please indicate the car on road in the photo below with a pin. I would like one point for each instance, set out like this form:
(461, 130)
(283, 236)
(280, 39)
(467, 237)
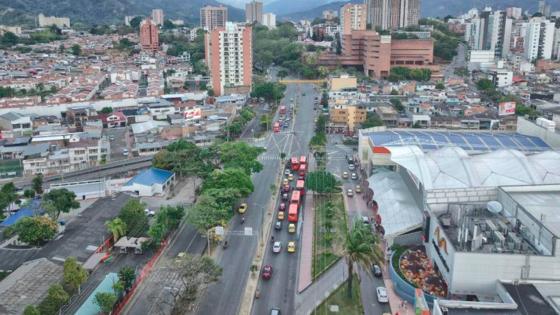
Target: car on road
(285, 196)
(351, 167)
(365, 219)
(376, 270)
(278, 225)
(287, 172)
(358, 189)
(111, 138)
(350, 193)
(291, 177)
(285, 181)
(267, 272)
(291, 247)
(274, 311)
(382, 295)
(291, 228)
(354, 176)
(344, 174)
(242, 208)
(286, 188)
(149, 212)
(281, 215)
(277, 247)
(282, 207)
(125, 152)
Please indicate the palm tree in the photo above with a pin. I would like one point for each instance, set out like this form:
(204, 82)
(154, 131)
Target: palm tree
(361, 248)
(117, 227)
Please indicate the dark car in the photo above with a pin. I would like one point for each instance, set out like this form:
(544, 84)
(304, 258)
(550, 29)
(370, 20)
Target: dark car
(376, 271)
(267, 272)
(282, 207)
(286, 188)
(285, 196)
(278, 225)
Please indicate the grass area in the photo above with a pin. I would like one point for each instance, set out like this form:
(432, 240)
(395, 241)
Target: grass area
(327, 230)
(347, 306)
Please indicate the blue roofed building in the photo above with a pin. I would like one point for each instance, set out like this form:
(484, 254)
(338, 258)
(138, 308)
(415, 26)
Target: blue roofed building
(151, 182)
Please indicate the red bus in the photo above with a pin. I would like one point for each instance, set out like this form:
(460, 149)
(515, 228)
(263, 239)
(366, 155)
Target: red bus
(293, 213)
(300, 186)
(294, 164)
(302, 170)
(302, 160)
(276, 127)
(282, 110)
(296, 196)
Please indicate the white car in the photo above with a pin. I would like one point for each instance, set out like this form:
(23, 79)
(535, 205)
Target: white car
(354, 176)
(125, 152)
(349, 193)
(149, 212)
(382, 295)
(277, 247)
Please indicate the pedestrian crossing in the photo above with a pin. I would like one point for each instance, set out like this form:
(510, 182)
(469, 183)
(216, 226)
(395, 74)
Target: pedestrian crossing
(269, 157)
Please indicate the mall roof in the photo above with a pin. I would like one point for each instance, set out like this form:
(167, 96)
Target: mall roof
(469, 141)
(151, 176)
(453, 167)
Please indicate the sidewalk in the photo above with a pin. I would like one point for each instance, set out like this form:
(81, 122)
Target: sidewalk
(324, 286)
(305, 277)
(396, 302)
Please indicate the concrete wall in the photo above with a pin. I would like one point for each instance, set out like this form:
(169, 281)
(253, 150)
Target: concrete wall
(529, 128)
(438, 199)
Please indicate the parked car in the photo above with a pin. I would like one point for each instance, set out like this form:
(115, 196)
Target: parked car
(149, 212)
(351, 167)
(376, 270)
(382, 295)
(291, 247)
(344, 175)
(281, 215)
(291, 228)
(242, 208)
(358, 189)
(277, 247)
(350, 193)
(278, 225)
(354, 176)
(267, 272)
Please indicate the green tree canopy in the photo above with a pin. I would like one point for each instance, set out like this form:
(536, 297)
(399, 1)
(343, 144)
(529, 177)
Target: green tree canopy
(35, 230)
(321, 182)
(55, 299)
(235, 178)
(106, 110)
(372, 120)
(185, 159)
(127, 276)
(240, 155)
(74, 275)
(117, 228)
(106, 301)
(31, 310)
(76, 50)
(270, 91)
(59, 200)
(207, 213)
(37, 184)
(133, 215)
(485, 84)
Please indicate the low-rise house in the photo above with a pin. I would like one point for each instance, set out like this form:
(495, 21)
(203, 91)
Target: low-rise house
(13, 123)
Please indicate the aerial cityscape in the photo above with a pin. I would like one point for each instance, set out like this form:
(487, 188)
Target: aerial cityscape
(268, 157)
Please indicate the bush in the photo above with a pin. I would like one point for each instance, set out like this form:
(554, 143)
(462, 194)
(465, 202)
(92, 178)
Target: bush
(56, 298)
(36, 230)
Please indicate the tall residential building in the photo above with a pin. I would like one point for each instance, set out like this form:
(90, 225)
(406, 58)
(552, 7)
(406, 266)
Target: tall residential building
(500, 36)
(539, 39)
(556, 45)
(254, 12)
(212, 17)
(149, 35)
(392, 14)
(269, 20)
(353, 17)
(157, 16)
(514, 12)
(45, 21)
(229, 58)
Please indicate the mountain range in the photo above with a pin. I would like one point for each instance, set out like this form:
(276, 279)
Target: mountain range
(107, 11)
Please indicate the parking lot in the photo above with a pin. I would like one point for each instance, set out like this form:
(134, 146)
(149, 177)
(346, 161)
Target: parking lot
(118, 139)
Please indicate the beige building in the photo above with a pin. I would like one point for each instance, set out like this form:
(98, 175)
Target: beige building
(157, 16)
(212, 17)
(45, 21)
(346, 117)
(343, 82)
(353, 17)
(254, 12)
(12, 29)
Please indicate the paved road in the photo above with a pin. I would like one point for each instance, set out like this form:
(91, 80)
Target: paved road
(279, 292)
(337, 164)
(459, 61)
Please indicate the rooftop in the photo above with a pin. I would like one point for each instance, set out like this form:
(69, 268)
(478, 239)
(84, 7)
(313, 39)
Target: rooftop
(469, 141)
(151, 176)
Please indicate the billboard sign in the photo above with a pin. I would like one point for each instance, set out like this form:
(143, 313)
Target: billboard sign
(193, 114)
(506, 108)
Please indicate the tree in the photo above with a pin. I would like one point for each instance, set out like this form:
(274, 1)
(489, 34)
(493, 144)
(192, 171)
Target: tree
(35, 230)
(37, 184)
(270, 91)
(234, 178)
(361, 248)
(59, 200)
(321, 182)
(372, 120)
(106, 301)
(282, 73)
(127, 276)
(207, 213)
(440, 86)
(485, 84)
(9, 39)
(76, 50)
(185, 158)
(394, 92)
(117, 227)
(31, 310)
(106, 110)
(398, 104)
(134, 218)
(8, 195)
(61, 48)
(239, 154)
(135, 22)
(56, 298)
(74, 275)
